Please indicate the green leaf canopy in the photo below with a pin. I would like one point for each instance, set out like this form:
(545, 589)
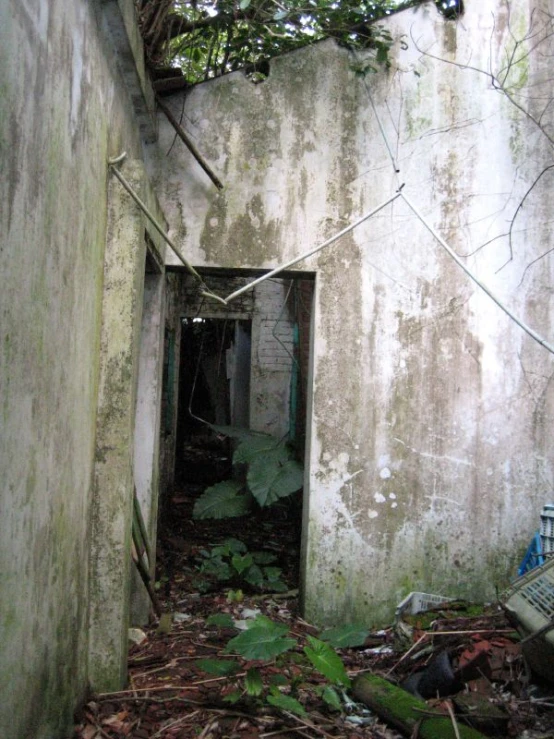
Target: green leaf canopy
(208, 38)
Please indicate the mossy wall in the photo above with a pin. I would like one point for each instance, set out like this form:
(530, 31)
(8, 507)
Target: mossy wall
(428, 457)
(63, 111)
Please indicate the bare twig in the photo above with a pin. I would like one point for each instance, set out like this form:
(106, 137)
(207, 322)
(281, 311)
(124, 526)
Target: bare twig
(453, 719)
(182, 720)
(307, 724)
(124, 694)
(406, 654)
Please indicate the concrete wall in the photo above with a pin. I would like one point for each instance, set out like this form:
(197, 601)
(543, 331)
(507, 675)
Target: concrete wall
(428, 440)
(120, 422)
(64, 110)
(272, 353)
(147, 424)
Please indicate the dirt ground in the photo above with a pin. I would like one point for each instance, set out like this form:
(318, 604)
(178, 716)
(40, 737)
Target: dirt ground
(170, 694)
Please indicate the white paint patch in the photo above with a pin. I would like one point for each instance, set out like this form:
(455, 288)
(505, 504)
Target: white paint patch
(372, 513)
(394, 505)
(214, 222)
(384, 460)
(385, 473)
(392, 496)
(379, 498)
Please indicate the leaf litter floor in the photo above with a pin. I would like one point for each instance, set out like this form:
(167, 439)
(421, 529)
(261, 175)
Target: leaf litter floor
(168, 696)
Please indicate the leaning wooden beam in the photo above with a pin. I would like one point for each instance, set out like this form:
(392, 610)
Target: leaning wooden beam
(188, 143)
(137, 513)
(404, 712)
(145, 577)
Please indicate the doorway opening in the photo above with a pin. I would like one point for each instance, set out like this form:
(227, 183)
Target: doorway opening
(214, 390)
(242, 377)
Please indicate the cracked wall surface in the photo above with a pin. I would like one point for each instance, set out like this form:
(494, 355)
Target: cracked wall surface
(428, 455)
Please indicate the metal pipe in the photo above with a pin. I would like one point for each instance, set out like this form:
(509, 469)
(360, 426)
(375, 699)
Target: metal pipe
(334, 238)
(205, 292)
(470, 274)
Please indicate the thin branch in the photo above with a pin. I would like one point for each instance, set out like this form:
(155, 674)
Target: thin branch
(546, 253)
(453, 719)
(519, 207)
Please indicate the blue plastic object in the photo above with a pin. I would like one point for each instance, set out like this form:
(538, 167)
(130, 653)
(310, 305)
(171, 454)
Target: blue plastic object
(533, 556)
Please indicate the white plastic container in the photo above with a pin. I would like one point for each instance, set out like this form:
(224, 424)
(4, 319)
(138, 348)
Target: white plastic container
(418, 602)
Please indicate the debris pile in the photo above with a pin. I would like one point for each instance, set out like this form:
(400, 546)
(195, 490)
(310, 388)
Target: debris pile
(454, 671)
(226, 660)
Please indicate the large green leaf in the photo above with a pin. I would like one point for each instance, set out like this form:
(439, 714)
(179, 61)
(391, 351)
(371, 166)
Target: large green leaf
(241, 562)
(263, 640)
(269, 482)
(266, 623)
(286, 703)
(350, 635)
(221, 620)
(326, 660)
(331, 697)
(223, 500)
(216, 567)
(219, 667)
(254, 576)
(266, 445)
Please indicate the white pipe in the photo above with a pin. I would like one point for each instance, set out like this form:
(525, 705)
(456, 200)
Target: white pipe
(204, 291)
(470, 274)
(344, 231)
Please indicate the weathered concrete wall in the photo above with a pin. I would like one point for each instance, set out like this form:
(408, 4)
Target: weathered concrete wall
(64, 110)
(147, 427)
(119, 424)
(272, 354)
(428, 454)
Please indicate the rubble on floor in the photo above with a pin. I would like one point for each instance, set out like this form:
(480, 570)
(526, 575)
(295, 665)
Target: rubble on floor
(453, 671)
(465, 662)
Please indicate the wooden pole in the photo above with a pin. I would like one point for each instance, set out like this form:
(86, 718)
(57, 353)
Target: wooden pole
(188, 143)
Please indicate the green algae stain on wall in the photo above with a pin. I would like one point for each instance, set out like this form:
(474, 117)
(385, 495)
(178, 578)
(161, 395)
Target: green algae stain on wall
(241, 238)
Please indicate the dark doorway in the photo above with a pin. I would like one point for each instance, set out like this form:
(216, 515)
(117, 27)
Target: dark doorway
(243, 366)
(214, 389)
